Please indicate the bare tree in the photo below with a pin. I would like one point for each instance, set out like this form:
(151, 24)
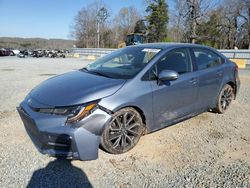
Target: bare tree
(235, 22)
(223, 25)
(189, 14)
(86, 25)
(125, 21)
(176, 22)
(244, 15)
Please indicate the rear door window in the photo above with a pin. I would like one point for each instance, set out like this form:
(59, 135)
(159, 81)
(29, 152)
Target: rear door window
(206, 58)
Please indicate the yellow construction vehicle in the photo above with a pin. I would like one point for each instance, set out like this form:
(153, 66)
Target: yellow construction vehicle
(132, 39)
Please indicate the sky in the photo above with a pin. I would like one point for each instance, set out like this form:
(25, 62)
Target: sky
(49, 18)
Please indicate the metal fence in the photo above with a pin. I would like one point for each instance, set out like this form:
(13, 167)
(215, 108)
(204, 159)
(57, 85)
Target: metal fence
(92, 51)
(98, 52)
(236, 54)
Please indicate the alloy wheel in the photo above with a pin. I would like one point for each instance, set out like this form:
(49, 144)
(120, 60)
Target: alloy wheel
(123, 132)
(226, 98)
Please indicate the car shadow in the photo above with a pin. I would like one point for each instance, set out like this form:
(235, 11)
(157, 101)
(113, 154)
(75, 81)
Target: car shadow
(59, 173)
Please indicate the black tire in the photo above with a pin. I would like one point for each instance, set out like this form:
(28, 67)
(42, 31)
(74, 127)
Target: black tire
(225, 98)
(123, 132)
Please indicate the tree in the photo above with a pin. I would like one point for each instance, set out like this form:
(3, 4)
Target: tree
(188, 15)
(140, 27)
(84, 27)
(87, 24)
(235, 23)
(157, 20)
(124, 22)
(226, 26)
(245, 26)
(210, 31)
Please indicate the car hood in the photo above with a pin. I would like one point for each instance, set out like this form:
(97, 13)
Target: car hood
(74, 88)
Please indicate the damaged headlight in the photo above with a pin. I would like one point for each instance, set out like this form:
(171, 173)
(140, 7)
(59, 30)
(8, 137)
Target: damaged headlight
(74, 113)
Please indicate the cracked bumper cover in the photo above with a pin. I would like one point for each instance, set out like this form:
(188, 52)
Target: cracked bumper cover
(52, 136)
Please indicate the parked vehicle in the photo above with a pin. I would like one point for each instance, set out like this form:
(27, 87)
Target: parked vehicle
(123, 95)
(16, 52)
(12, 53)
(4, 52)
(61, 53)
(37, 53)
(21, 55)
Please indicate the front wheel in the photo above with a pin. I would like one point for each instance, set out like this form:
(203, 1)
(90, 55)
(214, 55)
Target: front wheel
(123, 131)
(225, 98)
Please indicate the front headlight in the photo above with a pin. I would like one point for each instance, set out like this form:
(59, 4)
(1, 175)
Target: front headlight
(74, 114)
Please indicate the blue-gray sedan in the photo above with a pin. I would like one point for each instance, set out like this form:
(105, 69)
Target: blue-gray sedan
(133, 91)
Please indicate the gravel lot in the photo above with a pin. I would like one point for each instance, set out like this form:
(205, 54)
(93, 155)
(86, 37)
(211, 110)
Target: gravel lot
(210, 150)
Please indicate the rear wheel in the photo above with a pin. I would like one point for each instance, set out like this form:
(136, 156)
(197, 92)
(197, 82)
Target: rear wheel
(225, 98)
(123, 132)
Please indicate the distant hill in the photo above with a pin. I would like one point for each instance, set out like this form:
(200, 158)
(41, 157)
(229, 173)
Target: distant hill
(35, 43)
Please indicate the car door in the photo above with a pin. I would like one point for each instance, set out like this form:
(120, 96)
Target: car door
(174, 99)
(209, 70)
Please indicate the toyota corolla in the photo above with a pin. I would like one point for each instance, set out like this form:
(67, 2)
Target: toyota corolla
(136, 90)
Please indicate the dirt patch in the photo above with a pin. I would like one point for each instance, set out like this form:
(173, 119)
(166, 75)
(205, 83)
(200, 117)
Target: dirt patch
(245, 79)
(6, 114)
(7, 70)
(214, 134)
(47, 74)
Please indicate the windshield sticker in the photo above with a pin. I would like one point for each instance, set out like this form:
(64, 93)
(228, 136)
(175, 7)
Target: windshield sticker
(154, 50)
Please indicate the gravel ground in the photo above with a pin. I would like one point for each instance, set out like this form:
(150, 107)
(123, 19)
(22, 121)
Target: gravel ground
(209, 150)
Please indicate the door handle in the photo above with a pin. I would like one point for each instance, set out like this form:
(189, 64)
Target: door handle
(219, 73)
(193, 81)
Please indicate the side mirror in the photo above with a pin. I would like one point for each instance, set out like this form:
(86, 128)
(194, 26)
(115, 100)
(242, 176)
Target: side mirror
(168, 75)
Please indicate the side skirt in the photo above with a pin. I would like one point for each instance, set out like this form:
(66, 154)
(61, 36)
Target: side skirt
(179, 120)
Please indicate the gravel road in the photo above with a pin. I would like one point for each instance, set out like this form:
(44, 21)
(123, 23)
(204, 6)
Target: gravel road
(209, 150)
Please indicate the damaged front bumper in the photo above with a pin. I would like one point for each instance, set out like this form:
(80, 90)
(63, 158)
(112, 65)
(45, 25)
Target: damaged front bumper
(52, 136)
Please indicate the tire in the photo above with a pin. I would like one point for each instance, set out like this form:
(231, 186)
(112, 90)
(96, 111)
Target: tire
(123, 132)
(225, 98)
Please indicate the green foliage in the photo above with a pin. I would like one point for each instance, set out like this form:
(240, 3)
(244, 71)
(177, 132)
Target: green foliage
(167, 39)
(140, 27)
(209, 31)
(157, 19)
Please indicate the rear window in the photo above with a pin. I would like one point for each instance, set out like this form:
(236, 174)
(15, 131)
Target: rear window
(206, 58)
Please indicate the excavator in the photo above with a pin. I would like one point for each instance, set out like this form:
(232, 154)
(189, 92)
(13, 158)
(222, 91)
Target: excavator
(138, 37)
(133, 39)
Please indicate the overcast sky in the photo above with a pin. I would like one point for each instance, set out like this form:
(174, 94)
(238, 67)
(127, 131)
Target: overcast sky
(48, 18)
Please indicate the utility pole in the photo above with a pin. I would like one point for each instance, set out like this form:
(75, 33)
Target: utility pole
(102, 16)
(98, 34)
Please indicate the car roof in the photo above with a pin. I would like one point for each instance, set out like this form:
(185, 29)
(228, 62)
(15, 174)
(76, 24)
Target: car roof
(165, 45)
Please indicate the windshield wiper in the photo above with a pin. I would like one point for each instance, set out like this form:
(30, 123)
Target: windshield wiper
(100, 74)
(94, 72)
(84, 69)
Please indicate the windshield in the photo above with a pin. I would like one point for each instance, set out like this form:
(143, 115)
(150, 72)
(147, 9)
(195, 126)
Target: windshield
(124, 63)
(138, 38)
